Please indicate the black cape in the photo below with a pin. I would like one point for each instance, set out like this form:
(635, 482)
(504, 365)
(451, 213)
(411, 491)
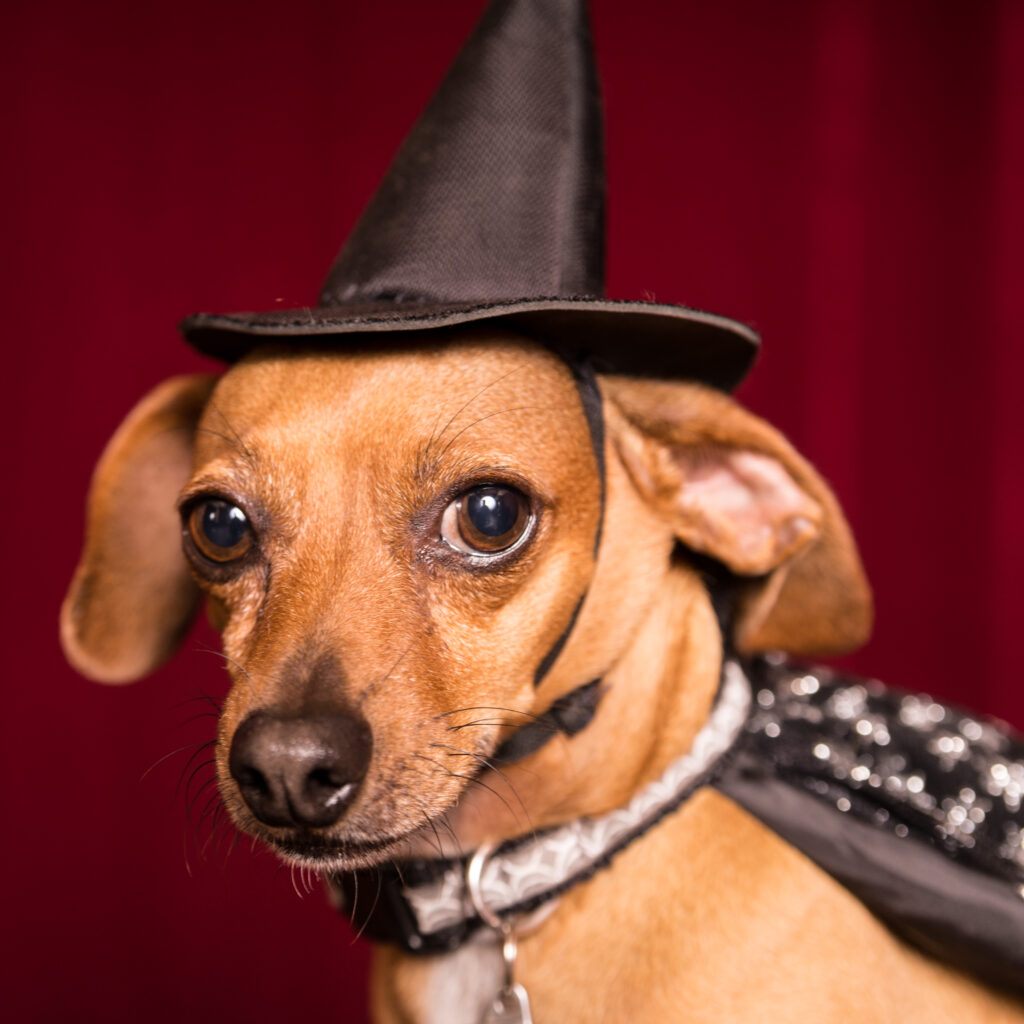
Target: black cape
(911, 804)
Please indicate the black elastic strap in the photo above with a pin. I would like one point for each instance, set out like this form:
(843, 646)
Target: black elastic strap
(723, 587)
(593, 411)
(556, 648)
(382, 913)
(568, 715)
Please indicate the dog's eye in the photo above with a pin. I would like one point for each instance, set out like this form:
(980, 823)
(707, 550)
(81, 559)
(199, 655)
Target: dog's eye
(486, 520)
(220, 530)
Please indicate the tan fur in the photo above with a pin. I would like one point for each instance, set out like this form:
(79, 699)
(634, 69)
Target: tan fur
(819, 603)
(709, 919)
(342, 461)
(132, 597)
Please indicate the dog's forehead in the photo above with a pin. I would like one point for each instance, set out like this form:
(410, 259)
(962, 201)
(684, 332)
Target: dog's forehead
(496, 393)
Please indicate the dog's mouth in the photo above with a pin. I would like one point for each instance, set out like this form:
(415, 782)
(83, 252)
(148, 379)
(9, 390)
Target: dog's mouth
(380, 829)
(324, 853)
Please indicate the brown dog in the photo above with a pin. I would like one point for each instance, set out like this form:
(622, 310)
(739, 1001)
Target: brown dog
(391, 542)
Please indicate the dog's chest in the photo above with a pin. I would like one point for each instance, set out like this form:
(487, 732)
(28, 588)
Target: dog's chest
(450, 988)
(463, 984)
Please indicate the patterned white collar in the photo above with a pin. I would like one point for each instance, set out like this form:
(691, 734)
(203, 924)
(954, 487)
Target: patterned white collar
(523, 874)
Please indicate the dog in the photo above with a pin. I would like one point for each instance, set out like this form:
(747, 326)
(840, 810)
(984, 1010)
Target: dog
(414, 552)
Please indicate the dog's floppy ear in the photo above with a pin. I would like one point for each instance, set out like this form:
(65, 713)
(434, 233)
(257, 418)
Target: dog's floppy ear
(734, 489)
(132, 596)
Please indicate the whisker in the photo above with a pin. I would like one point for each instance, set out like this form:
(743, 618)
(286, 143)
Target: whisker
(464, 407)
(443, 821)
(177, 750)
(490, 415)
(294, 886)
(490, 789)
(485, 707)
(437, 844)
(203, 649)
(479, 722)
(216, 433)
(204, 698)
(375, 686)
(355, 894)
(221, 823)
(432, 822)
(209, 808)
(489, 764)
(469, 778)
(376, 900)
(197, 794)
(204, 746)
(433, 431)
(215, 811)
(195, 771)
(198, 716)
(235, 440)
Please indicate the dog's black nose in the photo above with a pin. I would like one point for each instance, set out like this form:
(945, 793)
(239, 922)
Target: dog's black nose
(299, 771)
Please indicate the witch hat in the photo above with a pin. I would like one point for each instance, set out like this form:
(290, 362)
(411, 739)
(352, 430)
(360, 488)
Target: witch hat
(493, 210)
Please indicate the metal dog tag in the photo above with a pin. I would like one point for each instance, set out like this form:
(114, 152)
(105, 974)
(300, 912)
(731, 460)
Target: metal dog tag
(512, 1006)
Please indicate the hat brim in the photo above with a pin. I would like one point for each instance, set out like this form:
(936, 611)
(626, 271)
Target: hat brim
(643, 339)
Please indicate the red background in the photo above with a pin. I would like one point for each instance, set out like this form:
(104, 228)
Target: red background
(846, 176)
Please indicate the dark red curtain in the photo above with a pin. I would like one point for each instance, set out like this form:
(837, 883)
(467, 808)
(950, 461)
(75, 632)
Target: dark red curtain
(849, 177)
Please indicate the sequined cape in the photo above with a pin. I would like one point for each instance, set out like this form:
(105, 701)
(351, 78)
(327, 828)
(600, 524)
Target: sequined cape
(913, 805)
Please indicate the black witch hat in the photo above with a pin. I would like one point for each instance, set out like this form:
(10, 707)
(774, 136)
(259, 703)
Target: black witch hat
(493, 210)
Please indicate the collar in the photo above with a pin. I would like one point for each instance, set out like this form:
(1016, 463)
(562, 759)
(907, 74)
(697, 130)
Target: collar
(425, 906)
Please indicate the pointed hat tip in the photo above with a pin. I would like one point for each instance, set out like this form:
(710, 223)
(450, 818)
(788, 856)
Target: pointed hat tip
(508, 165)
(493, 211)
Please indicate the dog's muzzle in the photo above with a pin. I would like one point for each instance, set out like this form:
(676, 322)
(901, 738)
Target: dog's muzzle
(299, 771)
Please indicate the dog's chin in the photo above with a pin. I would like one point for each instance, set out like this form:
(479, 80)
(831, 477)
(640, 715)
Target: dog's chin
(327, 854)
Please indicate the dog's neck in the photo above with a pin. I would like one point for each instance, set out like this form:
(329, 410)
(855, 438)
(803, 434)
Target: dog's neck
(422, 903)
(655, 699)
